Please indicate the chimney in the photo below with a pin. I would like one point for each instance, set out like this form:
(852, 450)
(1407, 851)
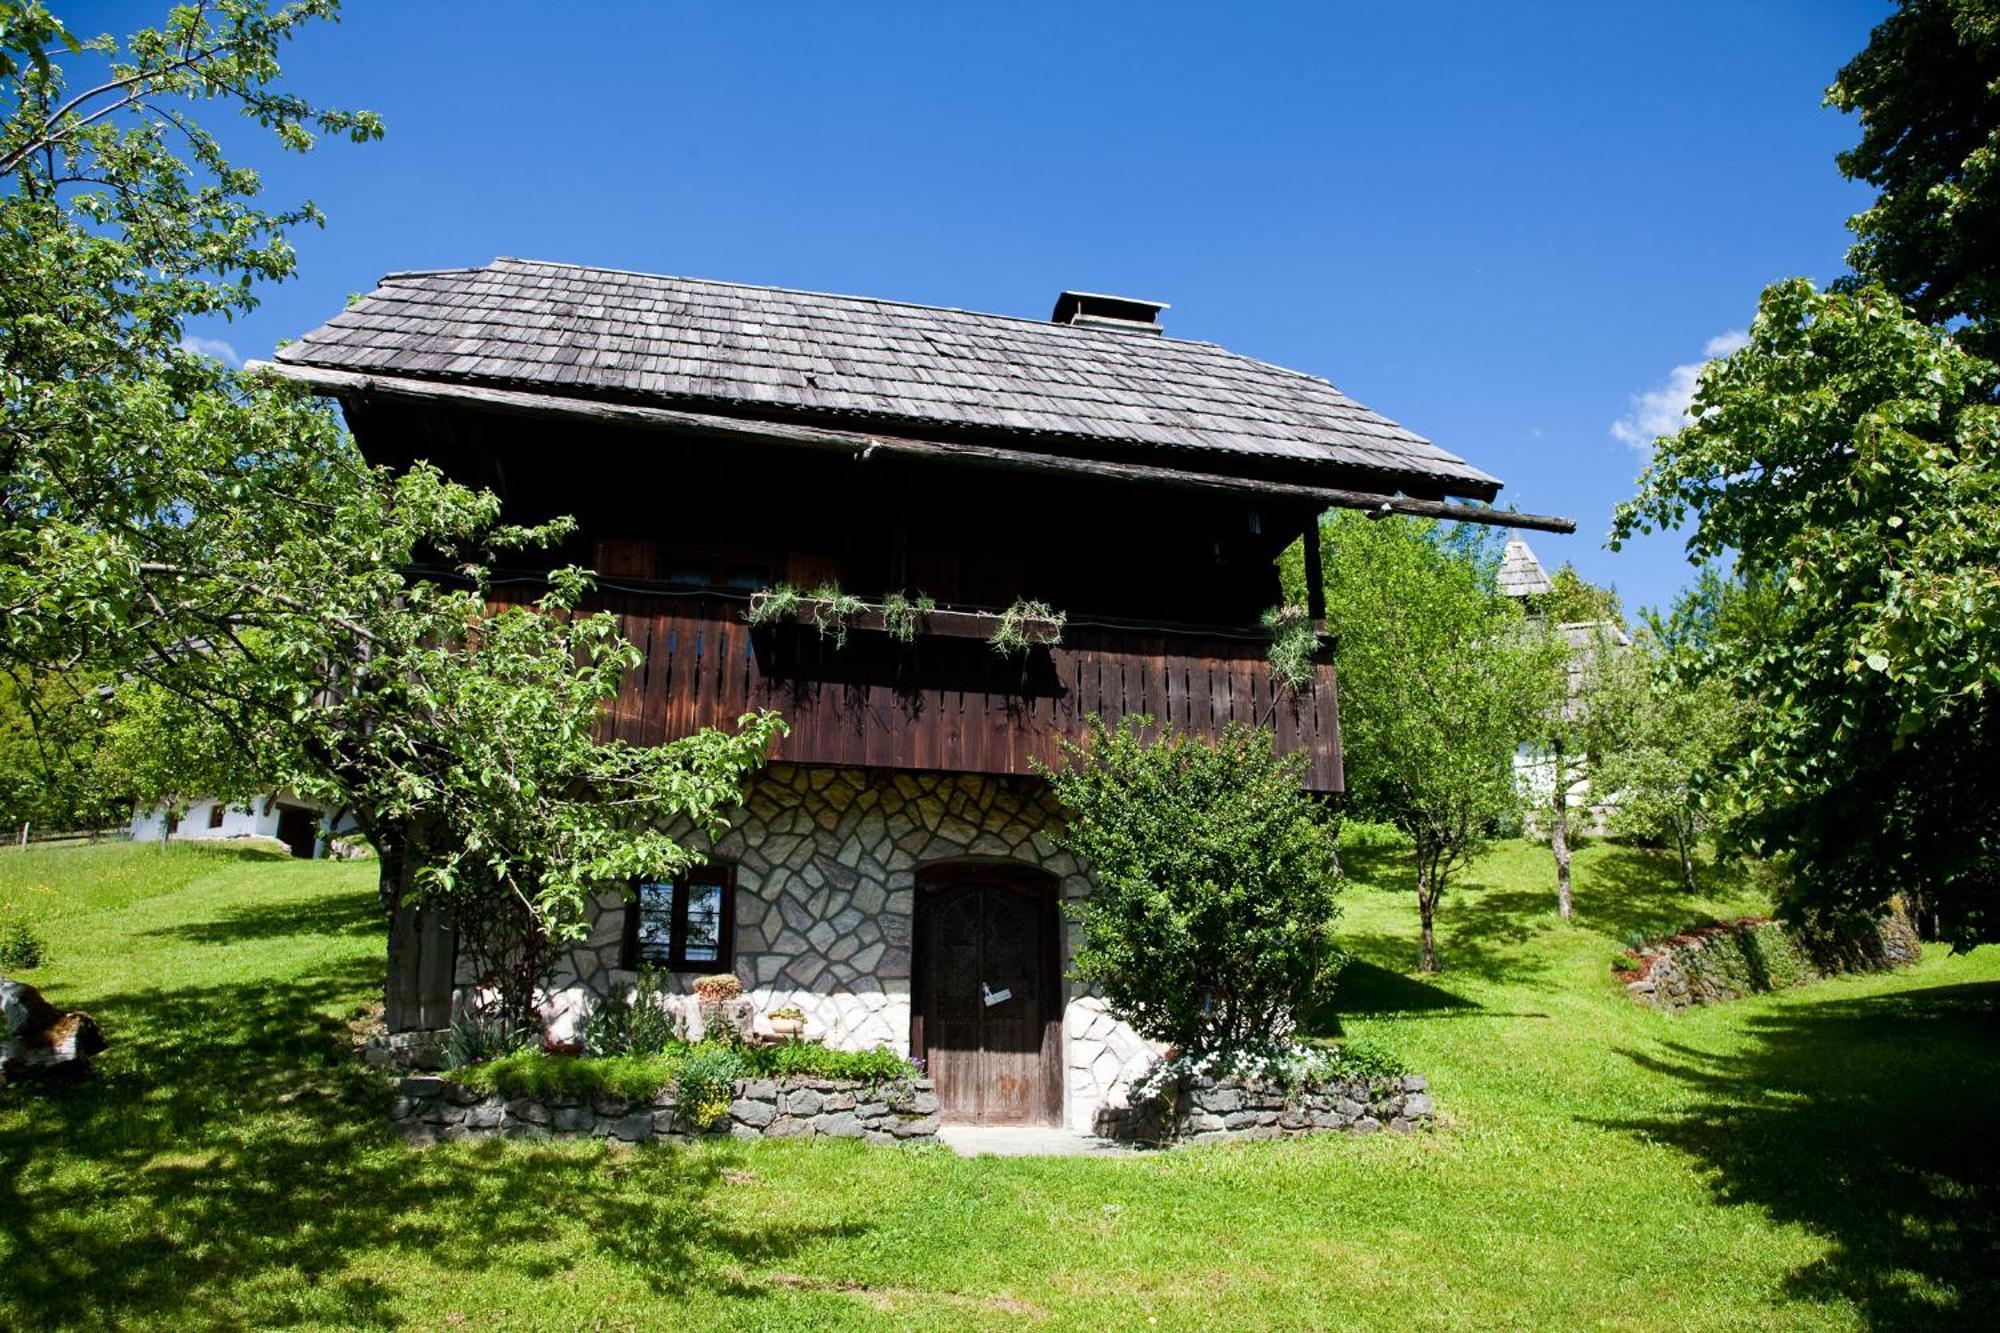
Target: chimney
(1108, 312)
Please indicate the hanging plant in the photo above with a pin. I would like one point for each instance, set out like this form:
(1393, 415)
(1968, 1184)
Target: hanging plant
(776, 603)
(1294, 645)
(902, 616)
(833, 612)
(1026, 625)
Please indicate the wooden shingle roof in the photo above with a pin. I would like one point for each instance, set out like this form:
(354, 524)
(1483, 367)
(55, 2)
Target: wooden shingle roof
(767, 352)
(1521, 574)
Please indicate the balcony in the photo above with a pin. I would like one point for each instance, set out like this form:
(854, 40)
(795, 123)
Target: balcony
(947, 701)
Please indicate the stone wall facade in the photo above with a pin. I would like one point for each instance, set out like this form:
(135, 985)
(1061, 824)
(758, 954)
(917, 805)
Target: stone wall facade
(825, 863)
(1717, 964)
(1208, 1110)
(430, 1109)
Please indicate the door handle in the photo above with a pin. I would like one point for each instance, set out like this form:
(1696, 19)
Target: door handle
(993, 997)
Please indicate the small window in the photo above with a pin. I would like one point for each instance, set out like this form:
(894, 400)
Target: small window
(215, 813)
(685, 924)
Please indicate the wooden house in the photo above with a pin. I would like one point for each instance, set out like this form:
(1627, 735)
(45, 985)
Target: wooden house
(891, 871)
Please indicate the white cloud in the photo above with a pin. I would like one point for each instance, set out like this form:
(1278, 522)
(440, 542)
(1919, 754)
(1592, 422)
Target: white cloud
(1663, 409)
(214, 347)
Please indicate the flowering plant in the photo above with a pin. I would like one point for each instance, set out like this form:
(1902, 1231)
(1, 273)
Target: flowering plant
(1281, 1064)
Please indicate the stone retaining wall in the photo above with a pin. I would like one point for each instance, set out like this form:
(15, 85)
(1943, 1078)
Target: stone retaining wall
(1214, 1110)
(1726, 962)
(430, 1109)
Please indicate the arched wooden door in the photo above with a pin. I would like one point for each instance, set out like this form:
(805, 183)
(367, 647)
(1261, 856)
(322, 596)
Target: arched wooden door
(987, 992)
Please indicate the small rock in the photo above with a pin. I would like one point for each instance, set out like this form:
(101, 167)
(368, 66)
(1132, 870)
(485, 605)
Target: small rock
(920, 1127)
(840, 1125)
(751, 1112)
(572, 1120)
(528, 1111)
(634, 1128)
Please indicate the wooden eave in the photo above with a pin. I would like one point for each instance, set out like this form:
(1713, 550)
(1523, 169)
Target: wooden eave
(864, 445)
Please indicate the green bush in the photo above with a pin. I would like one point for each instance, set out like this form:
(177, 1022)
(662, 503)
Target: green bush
(478, 1036)
(700, 1074)
(704, 1081)
(1211, 925)
(531, 1072)
(21, 949)
(804, 1059)
(642, 1025)
(1291, 1065)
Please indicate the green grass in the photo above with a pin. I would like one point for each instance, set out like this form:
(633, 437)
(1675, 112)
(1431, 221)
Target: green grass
(1814, 1158)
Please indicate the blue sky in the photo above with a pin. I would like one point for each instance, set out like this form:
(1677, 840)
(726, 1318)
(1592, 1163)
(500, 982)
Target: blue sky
(1503, 225)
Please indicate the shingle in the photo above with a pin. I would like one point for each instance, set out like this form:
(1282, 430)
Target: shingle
(686, 342)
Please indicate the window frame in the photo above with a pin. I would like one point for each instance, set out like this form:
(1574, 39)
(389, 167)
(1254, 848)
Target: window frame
(217, 811)
(719, 873)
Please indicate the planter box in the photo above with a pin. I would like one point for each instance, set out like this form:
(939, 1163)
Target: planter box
(432, 1109)
(1217, 1110)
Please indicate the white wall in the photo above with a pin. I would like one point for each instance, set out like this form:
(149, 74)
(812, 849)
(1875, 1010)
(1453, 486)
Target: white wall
(256, 819)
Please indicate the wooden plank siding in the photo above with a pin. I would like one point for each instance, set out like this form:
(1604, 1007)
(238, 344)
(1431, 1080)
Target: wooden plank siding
(946, 704)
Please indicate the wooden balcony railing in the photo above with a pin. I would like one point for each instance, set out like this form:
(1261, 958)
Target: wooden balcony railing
(948, 702)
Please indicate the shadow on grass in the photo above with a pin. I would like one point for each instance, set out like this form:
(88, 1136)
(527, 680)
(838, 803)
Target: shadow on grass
(1870, 1122)
(1636, 891)
(229, 1163)
(352, 915)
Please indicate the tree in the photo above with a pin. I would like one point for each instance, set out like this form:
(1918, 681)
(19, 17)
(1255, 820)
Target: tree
(1847, 455)
(1927, 90)
(1440, 682)
(215, 543)
(1660, 739)
(1574, 600)
(1216, 882)
(158, 751)
(1581, 622)
(48, 777)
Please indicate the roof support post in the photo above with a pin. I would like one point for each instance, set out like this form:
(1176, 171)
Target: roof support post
(1315, 578)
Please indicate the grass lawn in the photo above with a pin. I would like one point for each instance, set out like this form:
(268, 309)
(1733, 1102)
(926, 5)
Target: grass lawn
(1823, 1158)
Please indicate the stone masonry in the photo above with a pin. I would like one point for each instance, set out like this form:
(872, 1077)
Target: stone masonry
(1207, 1110)
(431, 1109)
(826, 863)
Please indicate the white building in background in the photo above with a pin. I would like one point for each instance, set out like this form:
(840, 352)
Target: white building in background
(1523, 578)
(301, 825)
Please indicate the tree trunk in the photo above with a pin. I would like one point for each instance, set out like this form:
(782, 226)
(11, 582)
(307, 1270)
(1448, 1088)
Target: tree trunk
(1426, 912)
(1683, 844)
(1559, 836)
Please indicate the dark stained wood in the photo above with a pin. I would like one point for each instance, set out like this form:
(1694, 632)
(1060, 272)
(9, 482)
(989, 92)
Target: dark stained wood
(987, 993)
(945, 703)
(358, 390)
(423, 959)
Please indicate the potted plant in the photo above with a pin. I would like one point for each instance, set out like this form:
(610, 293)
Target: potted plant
(721, 1017)
(716, 988)
(788, 1021)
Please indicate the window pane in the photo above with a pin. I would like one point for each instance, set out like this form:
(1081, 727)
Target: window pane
(704, 923)
(656, 921)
